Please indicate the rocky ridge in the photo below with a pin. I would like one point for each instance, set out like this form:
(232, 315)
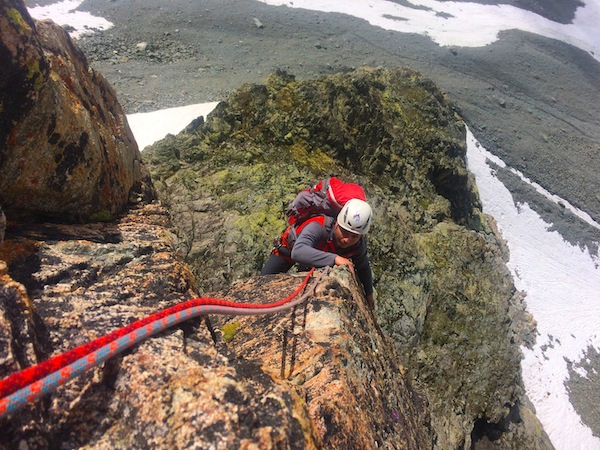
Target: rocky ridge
(443, 371)
(530, 100)
(444, 293)
(339, 384)
(63, 284)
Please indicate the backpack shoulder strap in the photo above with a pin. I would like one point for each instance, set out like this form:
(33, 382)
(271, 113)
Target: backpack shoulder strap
(321, 186)
(321, 220)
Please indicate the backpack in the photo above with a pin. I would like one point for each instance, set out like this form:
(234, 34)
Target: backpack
(327, 197)
(282, 246)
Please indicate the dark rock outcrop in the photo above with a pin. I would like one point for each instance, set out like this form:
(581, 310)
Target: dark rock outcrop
(2, 224)
(66, 150)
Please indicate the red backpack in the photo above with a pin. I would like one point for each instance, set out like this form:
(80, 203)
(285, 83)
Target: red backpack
(326, 197)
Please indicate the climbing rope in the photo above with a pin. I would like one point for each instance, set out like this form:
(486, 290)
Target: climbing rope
(26, 386)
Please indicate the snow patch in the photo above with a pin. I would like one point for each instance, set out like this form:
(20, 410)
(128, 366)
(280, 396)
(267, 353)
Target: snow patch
(464, 24)
(64, 14)
(153, 126)
(562, 283)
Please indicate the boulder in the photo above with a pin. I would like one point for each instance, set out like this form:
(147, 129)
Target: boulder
(66, 150)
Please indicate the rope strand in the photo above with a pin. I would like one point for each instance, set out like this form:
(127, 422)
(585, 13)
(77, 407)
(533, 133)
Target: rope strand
(25, 386)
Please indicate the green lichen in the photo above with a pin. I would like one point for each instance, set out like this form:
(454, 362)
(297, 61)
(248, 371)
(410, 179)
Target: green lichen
(101, 216)
(17, 19)
(36, 75)
(463, 324)
(316, 160)
(230, 330)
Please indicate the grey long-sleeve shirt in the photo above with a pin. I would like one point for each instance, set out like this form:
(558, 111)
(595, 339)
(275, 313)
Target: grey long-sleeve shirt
(314, 237)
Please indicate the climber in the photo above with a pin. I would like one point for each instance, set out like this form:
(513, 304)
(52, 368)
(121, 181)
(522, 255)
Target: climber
(326, 241)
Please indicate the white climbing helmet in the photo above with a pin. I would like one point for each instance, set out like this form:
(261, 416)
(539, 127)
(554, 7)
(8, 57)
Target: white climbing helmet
(355, 216)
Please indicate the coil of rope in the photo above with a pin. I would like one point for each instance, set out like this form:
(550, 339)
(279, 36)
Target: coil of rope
(26, 386)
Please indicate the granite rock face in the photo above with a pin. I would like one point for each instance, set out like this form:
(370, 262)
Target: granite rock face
(346, 370)
(444, 293)
(66, 150)
(318, 376)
